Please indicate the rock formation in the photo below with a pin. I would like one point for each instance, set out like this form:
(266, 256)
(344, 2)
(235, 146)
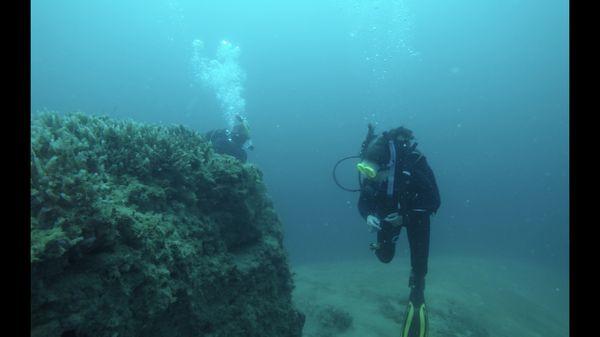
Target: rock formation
(142, 230)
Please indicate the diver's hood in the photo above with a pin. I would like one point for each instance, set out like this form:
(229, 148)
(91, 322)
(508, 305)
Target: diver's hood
(385, 151)
(379, 150)
(371, 169)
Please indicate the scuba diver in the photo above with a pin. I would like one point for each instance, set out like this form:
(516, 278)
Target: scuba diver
(234, 142)
(398, 189)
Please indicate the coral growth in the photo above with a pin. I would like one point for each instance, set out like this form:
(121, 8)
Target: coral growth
(141, 230)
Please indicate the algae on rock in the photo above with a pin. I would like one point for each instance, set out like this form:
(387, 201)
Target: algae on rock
(142, 230)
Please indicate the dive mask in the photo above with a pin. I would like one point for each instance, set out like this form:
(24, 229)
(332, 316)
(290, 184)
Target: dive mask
(368, 169)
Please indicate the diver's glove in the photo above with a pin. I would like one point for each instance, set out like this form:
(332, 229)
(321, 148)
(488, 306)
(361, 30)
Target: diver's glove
(374, 223)
(394, 218)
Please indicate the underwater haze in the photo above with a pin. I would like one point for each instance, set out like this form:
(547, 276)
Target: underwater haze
(484, 85)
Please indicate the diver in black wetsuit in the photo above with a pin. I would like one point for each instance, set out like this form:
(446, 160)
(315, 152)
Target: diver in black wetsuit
(234, 142)
(398, 190)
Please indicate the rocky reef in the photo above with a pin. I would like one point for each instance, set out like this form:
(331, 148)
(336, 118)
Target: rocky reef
(142, 230)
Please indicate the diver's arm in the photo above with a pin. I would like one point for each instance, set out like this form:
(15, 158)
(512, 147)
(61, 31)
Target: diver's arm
(366, 205)
(429, 184)
(435, 191)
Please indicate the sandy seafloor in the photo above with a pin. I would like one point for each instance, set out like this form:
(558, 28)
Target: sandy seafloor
(466, 297)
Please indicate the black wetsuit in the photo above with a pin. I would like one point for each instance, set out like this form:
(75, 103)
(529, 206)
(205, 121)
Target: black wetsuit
(223, 144)
(415, 197)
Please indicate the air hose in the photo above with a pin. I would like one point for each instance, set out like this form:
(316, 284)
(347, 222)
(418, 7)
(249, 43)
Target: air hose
(335, 177)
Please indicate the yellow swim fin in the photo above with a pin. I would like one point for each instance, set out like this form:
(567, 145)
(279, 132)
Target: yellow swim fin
(416, 322)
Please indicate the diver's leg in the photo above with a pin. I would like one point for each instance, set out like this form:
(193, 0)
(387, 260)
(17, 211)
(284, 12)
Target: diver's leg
(418, 230)
(386, 242)
(416, 321)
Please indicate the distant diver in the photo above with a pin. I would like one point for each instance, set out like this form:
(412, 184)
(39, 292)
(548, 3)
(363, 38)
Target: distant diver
(234, 142)
(398, 189)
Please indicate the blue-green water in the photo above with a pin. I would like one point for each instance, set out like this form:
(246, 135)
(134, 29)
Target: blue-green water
(483, 85)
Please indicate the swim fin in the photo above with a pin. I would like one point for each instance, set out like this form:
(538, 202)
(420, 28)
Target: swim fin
(416, 322)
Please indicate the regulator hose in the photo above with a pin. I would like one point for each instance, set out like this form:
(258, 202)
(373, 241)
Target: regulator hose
(335, 177)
